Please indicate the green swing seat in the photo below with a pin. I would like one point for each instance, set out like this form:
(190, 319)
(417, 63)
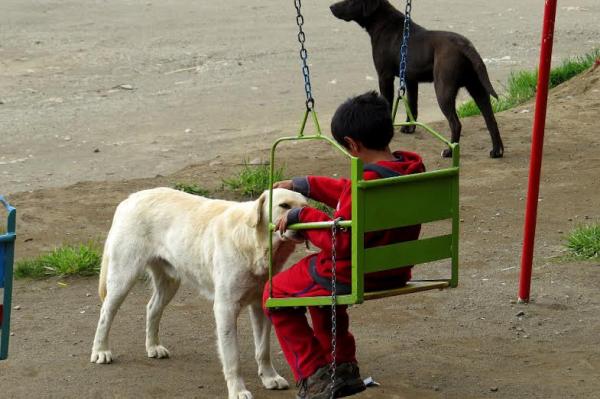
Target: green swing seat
(385, 204)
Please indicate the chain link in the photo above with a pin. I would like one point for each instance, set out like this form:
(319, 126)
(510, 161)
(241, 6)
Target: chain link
(404, 49)
(334, 229)
(310, 101)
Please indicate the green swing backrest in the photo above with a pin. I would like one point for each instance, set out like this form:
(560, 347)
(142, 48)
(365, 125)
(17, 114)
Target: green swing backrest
(404, 201)
(423, 199)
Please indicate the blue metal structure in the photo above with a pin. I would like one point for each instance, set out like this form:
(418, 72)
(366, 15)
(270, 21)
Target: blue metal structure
(7, 251)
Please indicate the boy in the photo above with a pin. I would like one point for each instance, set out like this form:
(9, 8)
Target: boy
(362, 125)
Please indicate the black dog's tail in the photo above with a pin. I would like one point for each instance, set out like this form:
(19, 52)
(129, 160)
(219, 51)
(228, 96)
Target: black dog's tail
(479, 66)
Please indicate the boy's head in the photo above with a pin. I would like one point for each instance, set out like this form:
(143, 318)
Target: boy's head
(365, 121)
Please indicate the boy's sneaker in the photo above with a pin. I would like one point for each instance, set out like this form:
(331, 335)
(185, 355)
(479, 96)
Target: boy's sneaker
(318, 385)
(347, 380)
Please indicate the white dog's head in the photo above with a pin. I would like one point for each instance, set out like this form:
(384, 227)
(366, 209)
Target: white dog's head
(283, 201)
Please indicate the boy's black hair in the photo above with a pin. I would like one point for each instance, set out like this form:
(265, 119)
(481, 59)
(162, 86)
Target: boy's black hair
(365, 118)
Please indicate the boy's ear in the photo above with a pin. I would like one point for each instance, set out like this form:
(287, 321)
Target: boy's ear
(351, 144)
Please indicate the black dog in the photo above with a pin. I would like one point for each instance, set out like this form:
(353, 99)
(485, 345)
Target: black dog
(447, 59)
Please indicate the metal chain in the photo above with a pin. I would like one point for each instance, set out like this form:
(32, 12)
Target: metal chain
(404, 49)
(310, 101)
(334, 229)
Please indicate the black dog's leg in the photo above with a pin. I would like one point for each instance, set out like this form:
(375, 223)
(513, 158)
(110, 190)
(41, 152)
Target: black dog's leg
(412, 91)
(482, 99)
(386, 88)
(446, 96)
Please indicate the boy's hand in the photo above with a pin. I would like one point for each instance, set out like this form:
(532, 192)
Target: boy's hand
(281, 224)
(287, 184)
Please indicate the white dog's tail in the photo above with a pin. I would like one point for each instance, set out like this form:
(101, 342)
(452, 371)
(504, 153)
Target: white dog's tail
(102, 280)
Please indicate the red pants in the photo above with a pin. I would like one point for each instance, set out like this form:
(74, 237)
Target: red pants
(305, 348)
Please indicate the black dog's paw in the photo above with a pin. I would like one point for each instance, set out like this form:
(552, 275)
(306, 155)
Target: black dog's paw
(497, 153)
(447, 153)
(410, 129)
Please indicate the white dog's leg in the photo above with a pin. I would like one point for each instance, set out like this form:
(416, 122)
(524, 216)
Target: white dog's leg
(165, 287)
(261, 327)
(226, 315)
(116, 291)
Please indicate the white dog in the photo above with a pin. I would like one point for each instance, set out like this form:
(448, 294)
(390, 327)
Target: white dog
(219, 246)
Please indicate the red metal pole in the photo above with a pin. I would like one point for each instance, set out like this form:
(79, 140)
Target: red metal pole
(537, 144)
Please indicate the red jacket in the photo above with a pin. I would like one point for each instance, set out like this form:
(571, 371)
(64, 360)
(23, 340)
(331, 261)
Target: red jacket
(336, 193)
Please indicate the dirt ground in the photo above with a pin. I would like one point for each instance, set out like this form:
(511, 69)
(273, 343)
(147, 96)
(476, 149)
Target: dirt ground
(59, 105)
(209, 78)
(461, 343)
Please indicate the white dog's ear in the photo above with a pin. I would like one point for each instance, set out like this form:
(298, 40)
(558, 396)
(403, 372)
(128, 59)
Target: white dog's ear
(256, 216)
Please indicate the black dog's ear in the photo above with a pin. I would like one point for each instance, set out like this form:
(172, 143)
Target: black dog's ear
(369, 7)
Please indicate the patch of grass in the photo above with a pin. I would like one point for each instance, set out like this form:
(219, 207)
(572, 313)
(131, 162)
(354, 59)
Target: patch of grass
(191, 189)
(80, 260)
(469, 108)
(522, 85)
(252, 180)
(584, 242)
(320, 206)
(572, 67)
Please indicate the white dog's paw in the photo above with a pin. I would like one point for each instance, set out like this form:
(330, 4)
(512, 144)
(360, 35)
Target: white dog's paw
(157, 351)
(101, 357)
(245, 394)
(274, 382)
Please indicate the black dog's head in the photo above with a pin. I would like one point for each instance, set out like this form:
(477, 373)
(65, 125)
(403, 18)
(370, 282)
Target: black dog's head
(355, 10)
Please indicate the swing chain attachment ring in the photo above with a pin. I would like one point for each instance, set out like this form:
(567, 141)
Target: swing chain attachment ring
(310, 101)
(334, 230)
(404, 49)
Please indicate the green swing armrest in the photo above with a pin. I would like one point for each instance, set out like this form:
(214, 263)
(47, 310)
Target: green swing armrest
(315, 225)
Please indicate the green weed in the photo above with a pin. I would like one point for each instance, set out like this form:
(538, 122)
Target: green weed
(584, 242)
(320, 206)
(191, 189)
(252, 180)
(81, 260)
(522, 85)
